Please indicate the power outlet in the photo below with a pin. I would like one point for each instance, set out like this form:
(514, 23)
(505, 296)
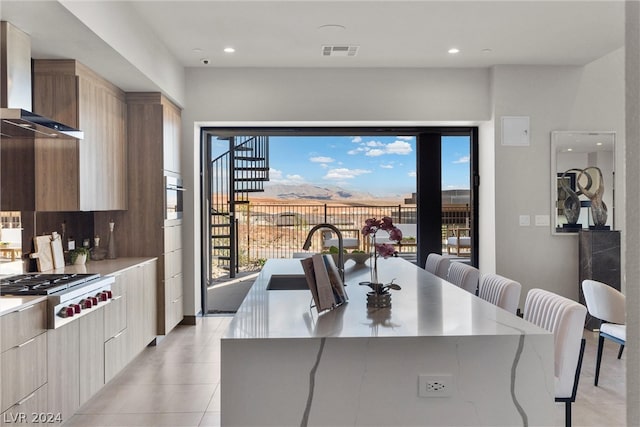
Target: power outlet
(435, 385)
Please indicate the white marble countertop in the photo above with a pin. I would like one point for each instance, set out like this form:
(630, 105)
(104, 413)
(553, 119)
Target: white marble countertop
(427, 306)
(9, 304)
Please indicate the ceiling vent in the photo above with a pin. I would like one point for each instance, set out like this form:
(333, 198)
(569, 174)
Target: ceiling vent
(340, 50)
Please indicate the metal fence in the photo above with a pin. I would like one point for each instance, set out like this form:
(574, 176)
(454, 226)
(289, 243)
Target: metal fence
(279, 230)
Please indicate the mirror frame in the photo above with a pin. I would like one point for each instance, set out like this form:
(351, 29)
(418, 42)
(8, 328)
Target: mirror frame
(609, 184)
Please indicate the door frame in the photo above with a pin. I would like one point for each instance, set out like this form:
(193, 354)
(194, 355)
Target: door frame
(428, 177)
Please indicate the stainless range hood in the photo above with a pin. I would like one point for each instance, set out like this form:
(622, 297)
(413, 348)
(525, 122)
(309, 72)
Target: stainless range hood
(16, 118)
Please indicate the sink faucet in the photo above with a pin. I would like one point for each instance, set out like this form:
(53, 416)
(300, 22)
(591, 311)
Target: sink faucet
(307, 245)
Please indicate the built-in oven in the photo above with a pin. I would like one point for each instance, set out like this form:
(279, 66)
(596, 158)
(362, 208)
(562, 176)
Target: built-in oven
(173, 203)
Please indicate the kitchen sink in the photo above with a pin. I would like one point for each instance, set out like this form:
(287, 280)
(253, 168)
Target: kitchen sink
(287, 282)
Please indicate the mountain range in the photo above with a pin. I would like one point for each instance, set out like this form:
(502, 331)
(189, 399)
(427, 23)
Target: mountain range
(312, 192)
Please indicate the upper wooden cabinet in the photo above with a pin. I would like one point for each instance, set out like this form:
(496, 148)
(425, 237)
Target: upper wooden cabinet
(86, 175)
(153, 113)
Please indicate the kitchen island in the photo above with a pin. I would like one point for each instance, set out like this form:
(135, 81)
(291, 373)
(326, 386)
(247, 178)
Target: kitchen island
(284, 364)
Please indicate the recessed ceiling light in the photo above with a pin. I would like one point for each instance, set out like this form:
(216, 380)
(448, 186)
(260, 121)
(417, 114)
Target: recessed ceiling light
(598, 143)
(487, 50)
(454, 50)
(196, 50)
(229, 50)
(569, 149)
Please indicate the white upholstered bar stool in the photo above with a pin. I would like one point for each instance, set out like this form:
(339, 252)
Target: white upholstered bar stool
(607, 304)
(464, 276)
(565, 319)
(437, 264)
(500, 291)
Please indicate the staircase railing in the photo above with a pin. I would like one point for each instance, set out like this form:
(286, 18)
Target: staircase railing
(243, 169)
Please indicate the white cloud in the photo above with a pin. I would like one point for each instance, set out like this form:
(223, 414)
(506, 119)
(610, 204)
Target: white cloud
(463, 159)
(399, 147)
(377, 148)
(412, 174)
(406, 138)
(374, 144)
(386, 166)
(344, 173)
(375, 152)
(276, 177)
(357, 139)
(322, 159)
(275, 174)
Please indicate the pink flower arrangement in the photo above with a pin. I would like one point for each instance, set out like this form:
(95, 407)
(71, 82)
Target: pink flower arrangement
(371, 227)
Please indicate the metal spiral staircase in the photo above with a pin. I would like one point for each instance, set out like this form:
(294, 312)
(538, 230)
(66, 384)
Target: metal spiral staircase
(243, 169)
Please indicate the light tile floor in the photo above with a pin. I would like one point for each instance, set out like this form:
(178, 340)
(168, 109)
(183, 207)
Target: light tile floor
(177, 383)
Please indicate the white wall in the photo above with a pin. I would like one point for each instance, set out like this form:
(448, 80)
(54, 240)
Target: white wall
(118, 24)
(317, 97)
(554, 97)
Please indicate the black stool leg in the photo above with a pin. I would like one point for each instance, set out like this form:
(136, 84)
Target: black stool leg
(567, 414)
(599, 358)
(620, 352)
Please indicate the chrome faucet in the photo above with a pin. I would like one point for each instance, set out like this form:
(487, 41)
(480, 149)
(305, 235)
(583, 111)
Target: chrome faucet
(307, 245)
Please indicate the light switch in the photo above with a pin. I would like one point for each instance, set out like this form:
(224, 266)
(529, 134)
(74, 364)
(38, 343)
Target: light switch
(525, 220)
(542, 220)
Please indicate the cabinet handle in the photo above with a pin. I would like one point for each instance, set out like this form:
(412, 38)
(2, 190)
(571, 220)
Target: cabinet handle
(118, 334)
(117, 297)
(175, 300)
(24, 308)
(25, 343)
(25, 399)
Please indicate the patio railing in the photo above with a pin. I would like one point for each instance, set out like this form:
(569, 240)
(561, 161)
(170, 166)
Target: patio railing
(279, 230)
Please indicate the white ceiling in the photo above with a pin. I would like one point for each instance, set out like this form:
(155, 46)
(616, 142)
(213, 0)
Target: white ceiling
(287, 33)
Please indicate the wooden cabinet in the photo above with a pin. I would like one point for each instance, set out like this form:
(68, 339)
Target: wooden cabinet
(24, 370)
(171, 145)
(91, 344)
(150, 285)
(63, 361)
(115, 313)
(75, 362)
(87, 175)
(22, 325)
(23, 361)
(153, 132)
(116, 354)
(141, 285)
(32, 410)
(134, 278)
(173, 307)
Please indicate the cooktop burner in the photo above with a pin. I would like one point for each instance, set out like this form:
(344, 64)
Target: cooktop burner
(41, 283)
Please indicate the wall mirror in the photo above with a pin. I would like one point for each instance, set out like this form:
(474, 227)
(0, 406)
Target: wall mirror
(582, 183)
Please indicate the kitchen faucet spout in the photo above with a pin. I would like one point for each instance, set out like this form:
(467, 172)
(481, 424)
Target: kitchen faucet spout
(307, 244)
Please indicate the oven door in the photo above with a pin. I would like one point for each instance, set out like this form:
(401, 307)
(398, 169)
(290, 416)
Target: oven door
(173, 198)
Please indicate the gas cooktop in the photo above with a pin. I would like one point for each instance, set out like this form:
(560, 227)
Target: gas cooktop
(42, 283)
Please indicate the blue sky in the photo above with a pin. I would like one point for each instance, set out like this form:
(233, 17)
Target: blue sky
(380, 165)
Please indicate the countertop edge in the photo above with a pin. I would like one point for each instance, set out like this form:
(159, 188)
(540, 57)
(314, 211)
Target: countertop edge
(9, 304)
(105, 267)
